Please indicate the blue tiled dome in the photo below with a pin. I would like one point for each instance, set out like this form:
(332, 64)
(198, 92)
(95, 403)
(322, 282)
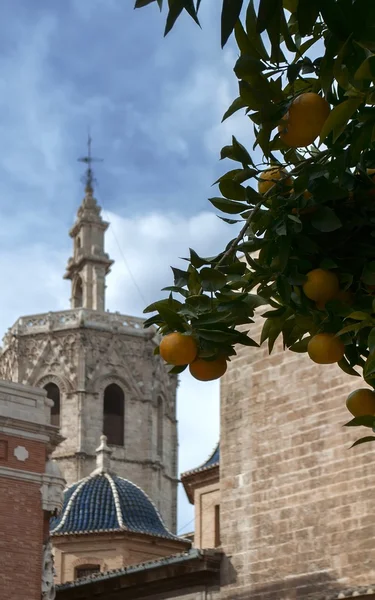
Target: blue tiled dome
(214, 459)
(105, 502)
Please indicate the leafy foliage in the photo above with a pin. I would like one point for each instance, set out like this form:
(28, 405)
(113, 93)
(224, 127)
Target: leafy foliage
(326, 221)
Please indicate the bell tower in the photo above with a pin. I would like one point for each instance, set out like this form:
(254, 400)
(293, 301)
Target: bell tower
(89, 265)
(100, 371)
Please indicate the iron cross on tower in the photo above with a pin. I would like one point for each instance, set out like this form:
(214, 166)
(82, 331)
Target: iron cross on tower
(89, 177)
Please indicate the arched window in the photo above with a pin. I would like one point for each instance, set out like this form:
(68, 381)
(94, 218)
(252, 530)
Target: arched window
(53, 393)
(159, 427)
(113, 415)
(78, 293)
(86, 571)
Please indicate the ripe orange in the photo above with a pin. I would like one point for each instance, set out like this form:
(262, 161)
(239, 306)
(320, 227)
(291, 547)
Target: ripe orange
(208, 370)
(304, 120)
(270, 177)
(361, 403)
(321, 286)
(325, 349)
(178, 349)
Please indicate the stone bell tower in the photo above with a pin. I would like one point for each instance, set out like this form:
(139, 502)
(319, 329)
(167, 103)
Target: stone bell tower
(100, 370)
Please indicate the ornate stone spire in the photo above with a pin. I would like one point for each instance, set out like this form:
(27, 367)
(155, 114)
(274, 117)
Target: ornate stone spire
(89, 265)
(103, 456)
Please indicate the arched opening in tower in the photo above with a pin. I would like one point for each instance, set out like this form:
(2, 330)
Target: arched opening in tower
(113, 414)
(78, 293)
(53, 393)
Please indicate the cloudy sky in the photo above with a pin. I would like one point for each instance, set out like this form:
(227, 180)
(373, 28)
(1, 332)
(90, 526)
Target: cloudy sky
(154, 107)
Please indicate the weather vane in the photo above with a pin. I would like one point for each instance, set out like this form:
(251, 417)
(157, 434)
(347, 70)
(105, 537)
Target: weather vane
(89, 177)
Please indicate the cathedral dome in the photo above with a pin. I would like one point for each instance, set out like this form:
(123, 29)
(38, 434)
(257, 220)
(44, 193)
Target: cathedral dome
(105, 502)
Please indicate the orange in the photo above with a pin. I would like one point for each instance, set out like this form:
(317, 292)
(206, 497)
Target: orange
(178, 349)
(325, 348)
(370, 173)
(361, 403)
(208, 370)
(304, 120)
(321, 286)
(270, 177)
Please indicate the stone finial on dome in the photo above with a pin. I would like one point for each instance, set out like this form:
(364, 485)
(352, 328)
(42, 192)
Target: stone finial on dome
(103, 456)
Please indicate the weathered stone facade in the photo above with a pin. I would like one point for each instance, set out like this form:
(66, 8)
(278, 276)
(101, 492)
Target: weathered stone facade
(297, 507)
(85, 349)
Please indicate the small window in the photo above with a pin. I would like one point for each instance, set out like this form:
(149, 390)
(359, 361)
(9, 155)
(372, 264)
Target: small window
(78, 293)
(159, 428)
(217, 526)
(86, 571)
(113, 415)
(53, 393)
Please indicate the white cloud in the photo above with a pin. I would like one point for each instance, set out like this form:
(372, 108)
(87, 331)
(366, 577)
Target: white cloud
(32, 276)
(148, 244)
(40, 108)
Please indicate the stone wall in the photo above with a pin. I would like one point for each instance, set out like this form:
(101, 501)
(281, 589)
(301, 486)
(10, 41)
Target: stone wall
(205, 500)
(194, 593)
(297, 505)
(109, 551)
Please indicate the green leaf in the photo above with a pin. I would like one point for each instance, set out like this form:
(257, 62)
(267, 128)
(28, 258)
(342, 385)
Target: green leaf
(247, 66)
(176, 289)
(228, 206)
(232, 190)
(358, 316)
(211, 279)
(201, 302)
(251, 23)
(366, 70)
(172, 319)
(345, 366)
(142, 3)
(168, 303)
(216, 335)
(324, 219)
(339, 117)
(369, 367)
(364, 440)
(194, 283)
(175, 9)
(236, 105)
(177, 370)
(300, 346)
(181, 278)
(230, 13)
(371, 340)
(365, 421)
(241, 153)
(368, 273)
(254, 301)
(334, 17)
(284, 289)
(196, 260)
(293, 71)
(266, 12)
(307, 14)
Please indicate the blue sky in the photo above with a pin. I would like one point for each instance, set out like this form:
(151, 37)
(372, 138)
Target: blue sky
(154, 106)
